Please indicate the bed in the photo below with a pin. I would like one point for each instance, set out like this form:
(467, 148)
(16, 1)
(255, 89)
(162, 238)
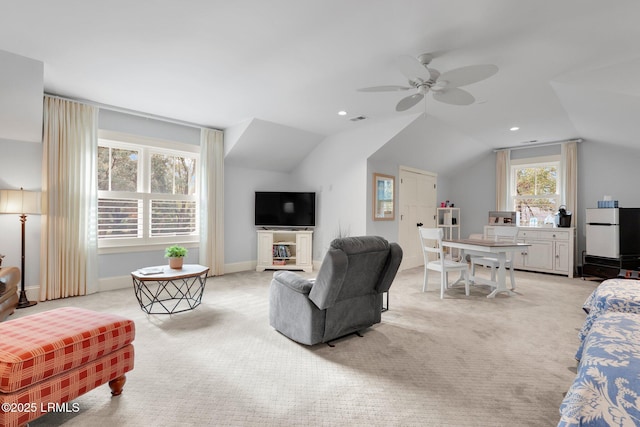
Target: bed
(619, 294)
(606, 390)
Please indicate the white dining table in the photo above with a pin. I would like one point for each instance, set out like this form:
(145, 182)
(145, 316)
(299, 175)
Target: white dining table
(487, 247)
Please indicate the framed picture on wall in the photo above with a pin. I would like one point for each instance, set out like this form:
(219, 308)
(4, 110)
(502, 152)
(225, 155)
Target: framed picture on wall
(383, 197)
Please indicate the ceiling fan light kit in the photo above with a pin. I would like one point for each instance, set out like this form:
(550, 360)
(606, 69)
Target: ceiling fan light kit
(445, 87)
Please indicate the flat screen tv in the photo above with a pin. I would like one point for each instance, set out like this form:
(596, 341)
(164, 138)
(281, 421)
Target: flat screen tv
(285, 209)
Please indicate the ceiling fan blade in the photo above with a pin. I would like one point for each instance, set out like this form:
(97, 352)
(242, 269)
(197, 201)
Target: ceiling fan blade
(390, 88)
(454, 96)
(466, 75)
(409, 101)
(412, 68)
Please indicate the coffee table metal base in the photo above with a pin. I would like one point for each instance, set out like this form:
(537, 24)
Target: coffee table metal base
(170, 291)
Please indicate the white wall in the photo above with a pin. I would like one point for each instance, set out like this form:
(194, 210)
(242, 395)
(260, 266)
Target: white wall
(473, 190)
(337, 171)
(240, 184)
(114, 268)
(473, 187)
(143, 126)
(602, 169)
(21, 166)
(606, 169)
(426, 144)
(21, 89)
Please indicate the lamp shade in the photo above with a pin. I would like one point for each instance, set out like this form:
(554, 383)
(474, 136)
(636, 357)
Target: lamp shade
(20, 201)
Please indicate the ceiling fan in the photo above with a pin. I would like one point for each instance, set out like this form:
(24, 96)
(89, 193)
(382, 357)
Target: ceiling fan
(445, 87)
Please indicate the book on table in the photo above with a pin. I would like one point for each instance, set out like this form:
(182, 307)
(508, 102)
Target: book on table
(150, 270)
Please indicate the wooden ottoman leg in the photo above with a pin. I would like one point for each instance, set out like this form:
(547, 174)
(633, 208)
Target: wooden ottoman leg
(117, 384)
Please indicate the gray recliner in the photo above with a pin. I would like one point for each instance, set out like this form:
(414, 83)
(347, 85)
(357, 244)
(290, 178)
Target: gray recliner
(345, 297)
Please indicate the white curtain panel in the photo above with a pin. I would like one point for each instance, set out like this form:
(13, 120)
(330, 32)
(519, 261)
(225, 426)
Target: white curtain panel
(69, 235)
(503, 163)
(569, 167)
(212, 200)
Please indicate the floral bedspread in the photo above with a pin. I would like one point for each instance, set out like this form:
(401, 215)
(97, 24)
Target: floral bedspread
(606, 391)
(622, 295)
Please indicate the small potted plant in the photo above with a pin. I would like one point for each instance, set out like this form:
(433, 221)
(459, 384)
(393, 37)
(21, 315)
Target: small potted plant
(176, 256)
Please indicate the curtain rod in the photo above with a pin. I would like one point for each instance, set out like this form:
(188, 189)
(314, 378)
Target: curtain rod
(542, 144)
(132, 112)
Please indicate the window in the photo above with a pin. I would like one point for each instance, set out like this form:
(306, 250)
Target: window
(535, 189)
(147, 192)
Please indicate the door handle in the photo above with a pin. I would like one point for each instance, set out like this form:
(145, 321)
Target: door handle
(419, 224)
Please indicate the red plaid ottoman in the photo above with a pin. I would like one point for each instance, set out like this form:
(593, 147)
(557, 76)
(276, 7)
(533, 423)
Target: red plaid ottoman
(50, 358)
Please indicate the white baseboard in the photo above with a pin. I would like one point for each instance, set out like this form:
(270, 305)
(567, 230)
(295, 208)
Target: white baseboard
(240, 266)
(33, 293)
(122, 282)
(251, 265)
(113, 283)
(104, 284)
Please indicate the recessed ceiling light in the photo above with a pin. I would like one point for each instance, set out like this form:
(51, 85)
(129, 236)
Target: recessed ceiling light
(342, 113)
(515, 128)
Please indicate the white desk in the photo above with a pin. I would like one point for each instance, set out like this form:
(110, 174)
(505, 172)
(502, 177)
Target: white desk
(492, 248)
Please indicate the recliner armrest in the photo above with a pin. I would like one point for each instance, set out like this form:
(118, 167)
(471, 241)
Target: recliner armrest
(9, 279)
(390, 269)
(293, 281)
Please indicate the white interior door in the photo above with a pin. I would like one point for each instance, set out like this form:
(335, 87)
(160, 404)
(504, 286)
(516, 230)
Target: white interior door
(417, 204)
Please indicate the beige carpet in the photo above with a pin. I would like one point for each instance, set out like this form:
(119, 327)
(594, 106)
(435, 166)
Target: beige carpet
(461, 361)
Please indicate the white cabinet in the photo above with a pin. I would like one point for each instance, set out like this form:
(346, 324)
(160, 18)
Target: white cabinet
(538, 256)
(285, 250)
(304, 243)
(561, 258)
(551, 250)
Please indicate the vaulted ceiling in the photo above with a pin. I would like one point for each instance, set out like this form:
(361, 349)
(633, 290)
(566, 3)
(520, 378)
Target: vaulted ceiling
(566, 68)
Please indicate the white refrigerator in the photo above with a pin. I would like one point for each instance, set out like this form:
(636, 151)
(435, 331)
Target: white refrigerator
(603, 232)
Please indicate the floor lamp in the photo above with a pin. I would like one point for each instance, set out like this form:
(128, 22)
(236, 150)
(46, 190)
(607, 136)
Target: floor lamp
(21, 202)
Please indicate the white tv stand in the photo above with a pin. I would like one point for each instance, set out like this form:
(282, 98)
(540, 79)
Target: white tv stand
(285, 250)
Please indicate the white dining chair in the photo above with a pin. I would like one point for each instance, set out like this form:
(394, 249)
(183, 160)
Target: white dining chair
(503, 234)
(429, 237)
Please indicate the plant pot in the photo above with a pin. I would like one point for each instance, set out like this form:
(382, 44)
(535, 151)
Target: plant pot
(176, 263)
